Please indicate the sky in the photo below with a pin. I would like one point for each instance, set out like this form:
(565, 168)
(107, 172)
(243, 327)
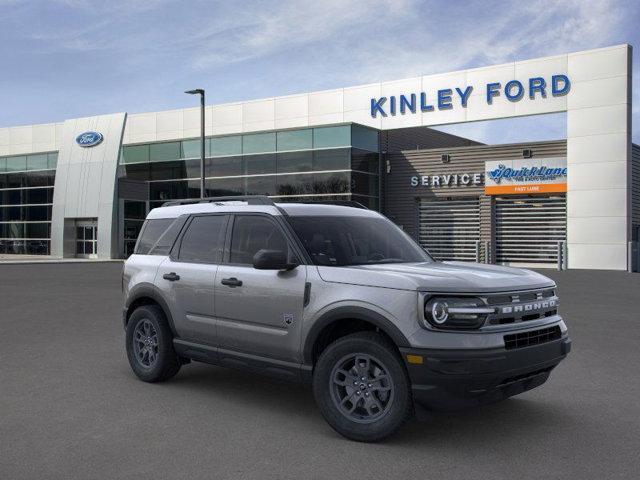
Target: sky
(72, 58)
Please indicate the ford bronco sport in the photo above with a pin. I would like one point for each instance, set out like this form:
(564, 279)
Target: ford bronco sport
(340, 297)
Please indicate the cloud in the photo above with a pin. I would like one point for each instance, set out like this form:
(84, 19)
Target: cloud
(290, 25)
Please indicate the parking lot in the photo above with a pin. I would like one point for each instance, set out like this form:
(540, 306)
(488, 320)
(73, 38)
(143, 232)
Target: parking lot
(71, 408)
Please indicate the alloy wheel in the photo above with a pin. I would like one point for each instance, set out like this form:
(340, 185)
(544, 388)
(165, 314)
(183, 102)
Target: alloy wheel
(361, 388)
(145, 343)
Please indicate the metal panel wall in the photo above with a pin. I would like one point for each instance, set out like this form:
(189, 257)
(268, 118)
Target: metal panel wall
(400, 197)
(416, 138)
(85, 185)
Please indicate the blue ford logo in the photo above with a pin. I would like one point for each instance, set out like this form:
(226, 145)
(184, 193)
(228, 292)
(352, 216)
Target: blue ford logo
(89, 139)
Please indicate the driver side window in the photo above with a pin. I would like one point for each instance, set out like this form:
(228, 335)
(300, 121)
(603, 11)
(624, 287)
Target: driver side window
(252, 233)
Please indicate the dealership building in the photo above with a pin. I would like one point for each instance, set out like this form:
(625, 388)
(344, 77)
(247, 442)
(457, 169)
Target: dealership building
(82, 187)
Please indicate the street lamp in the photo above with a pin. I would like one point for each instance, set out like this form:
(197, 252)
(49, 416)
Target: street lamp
(200, 91)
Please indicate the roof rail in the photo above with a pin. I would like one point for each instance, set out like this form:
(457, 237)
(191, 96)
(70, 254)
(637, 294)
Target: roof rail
(249, 199)
(341, 203)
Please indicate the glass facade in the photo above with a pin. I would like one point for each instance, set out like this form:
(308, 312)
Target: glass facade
(26, 197)
(309, 164)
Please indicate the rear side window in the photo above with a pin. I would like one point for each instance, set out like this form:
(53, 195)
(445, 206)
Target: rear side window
(168, 238)
(204, 239)
(150, 234)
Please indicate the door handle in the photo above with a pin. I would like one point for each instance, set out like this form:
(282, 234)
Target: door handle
(231, 282)
(172, 277)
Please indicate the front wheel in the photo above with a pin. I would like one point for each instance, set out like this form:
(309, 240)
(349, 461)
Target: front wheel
(362, 387)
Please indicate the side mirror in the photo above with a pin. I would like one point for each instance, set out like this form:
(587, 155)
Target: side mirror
(272, 260)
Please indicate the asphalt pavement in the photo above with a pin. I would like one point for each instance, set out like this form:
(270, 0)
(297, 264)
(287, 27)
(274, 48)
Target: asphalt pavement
(70, 408)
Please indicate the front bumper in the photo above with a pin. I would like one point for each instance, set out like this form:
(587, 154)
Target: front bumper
(455, 379)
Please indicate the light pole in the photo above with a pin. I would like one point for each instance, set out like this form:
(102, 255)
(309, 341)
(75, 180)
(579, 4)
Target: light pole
(200, 91)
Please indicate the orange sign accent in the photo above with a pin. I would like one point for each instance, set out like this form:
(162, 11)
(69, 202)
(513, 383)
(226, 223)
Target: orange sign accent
(531, 188)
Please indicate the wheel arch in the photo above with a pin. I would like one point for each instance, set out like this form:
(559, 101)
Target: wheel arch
(147, 294)
(332, 319)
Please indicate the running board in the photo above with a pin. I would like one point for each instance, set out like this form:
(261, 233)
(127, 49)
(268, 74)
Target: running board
(221, 357)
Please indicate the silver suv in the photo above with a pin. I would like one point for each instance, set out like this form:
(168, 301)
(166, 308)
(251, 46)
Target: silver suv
(340, 297)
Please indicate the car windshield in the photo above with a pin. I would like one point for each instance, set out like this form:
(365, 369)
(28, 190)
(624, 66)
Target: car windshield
(354, 240)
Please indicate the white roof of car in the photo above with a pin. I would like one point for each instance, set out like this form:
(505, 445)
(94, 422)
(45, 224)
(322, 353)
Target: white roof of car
(294, 209)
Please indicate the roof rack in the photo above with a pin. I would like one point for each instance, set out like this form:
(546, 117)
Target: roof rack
(249, 199)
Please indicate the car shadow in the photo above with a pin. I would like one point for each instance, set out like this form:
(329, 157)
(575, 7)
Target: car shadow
(473, 427)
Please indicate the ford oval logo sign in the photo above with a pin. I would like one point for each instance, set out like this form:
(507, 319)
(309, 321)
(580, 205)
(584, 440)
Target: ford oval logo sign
(89, 139)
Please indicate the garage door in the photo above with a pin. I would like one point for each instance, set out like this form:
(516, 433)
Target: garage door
(450, 228)
(528, 229)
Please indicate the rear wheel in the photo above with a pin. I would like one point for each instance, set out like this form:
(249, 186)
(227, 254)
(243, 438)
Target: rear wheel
(362, 388)
(150, 345)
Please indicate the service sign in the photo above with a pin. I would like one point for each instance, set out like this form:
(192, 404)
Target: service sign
(526, 175)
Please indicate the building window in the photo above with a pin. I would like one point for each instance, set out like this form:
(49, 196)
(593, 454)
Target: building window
(328, 137)
(295, 162)
(364, 138)
(160, 152)
(26, 195)
(334, 159)
(310, 164)
(295, 140)
(260, 164)
(259, 143)
(223, 146)
(135, 154)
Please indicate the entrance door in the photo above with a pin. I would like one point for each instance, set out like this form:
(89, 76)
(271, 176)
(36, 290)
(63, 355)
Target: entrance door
(528, 229)
(450, 228)
(259, 311)
(87, 239)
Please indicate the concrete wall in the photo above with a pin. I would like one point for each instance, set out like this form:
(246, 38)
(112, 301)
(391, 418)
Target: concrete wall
(27, 139)
(599, 158)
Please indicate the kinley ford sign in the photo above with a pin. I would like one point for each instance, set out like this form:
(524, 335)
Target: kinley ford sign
(445, 99)
(504, 177)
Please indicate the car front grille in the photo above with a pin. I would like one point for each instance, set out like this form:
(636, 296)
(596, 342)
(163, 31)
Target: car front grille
(522, 306)
(533, 337)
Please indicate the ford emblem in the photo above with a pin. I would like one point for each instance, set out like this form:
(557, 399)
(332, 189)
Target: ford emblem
(89, 139)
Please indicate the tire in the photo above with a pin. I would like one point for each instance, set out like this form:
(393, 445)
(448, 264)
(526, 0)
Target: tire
(152, 357)
(384, 403)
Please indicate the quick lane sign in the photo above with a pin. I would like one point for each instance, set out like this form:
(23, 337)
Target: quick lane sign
(526, 175)
(445, 99)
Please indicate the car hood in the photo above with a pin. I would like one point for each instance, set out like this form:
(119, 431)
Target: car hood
(437, 277)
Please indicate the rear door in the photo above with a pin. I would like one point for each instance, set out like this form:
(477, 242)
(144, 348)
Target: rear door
(259, 311)
(186, 278)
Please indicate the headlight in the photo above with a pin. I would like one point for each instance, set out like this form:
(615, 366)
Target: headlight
(456, 312)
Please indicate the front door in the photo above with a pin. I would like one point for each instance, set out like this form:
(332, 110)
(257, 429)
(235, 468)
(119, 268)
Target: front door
(259, 311)
(187, 277)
